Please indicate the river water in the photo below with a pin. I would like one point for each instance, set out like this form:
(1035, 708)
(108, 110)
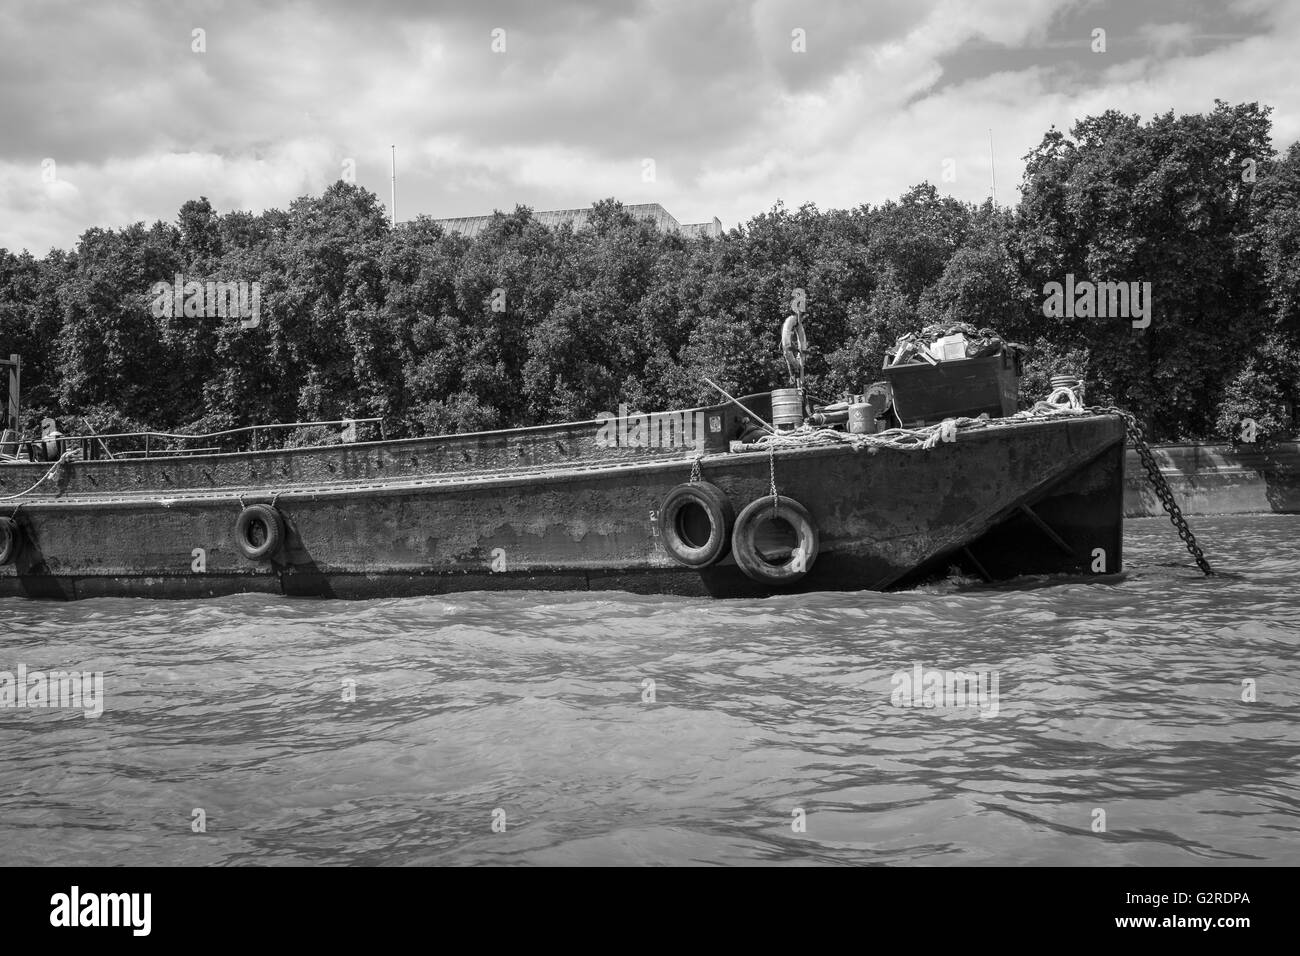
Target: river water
(523, 728)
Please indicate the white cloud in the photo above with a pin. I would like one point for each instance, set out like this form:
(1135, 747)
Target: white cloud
(733, 118)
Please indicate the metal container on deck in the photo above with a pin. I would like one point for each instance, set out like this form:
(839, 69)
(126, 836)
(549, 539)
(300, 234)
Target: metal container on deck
(787, 407)
(925, 394)
(862, 418)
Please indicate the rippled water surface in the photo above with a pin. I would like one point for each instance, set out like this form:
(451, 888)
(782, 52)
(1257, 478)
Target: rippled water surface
(532, 708)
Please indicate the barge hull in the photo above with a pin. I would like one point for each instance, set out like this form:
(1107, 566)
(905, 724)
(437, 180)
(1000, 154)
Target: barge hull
(1029, 497)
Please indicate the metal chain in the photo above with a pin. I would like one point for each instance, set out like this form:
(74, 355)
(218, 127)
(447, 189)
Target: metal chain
(1163, 491)
(695, 469)
(776, 497)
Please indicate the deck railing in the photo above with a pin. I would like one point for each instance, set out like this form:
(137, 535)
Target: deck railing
(93, 446)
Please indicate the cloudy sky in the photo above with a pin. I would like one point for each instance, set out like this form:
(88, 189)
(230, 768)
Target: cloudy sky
(113, 112)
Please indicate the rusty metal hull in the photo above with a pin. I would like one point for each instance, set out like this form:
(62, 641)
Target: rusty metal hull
(546, 508)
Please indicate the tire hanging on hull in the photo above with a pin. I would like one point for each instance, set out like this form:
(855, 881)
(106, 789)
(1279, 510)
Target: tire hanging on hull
(273, 534)
(697, 517)
(10, 540)
(749, 555)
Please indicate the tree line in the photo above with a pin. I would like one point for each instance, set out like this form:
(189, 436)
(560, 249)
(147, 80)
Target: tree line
(526, 324)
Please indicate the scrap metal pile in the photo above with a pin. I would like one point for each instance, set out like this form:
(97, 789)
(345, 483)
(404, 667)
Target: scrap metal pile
(948, 341)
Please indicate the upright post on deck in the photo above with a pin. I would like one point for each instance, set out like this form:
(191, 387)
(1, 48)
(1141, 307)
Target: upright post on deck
(15, 364)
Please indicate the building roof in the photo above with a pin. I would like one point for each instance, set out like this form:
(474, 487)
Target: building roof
(473, 226)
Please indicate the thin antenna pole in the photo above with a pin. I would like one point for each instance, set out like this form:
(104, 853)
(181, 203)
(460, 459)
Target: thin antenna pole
(993, 169)
(393, 205)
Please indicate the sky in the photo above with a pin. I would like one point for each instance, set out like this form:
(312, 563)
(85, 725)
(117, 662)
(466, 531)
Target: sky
(118, 112)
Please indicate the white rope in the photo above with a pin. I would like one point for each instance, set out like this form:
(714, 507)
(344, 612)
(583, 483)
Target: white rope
(66, 456)
(924, 438)
(947, 431)
(1063, 397)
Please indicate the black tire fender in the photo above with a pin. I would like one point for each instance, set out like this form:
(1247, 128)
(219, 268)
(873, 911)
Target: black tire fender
(11, 540)
(682, 517)
(273, 523)
(744, 543)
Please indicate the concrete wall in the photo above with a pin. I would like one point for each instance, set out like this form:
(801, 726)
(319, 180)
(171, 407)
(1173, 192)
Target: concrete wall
(1218, 479)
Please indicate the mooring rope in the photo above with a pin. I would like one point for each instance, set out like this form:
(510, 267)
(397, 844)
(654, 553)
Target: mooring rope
(65, 457)
(924, 438)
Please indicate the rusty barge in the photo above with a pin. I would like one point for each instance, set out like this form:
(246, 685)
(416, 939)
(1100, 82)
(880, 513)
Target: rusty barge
(564, 507)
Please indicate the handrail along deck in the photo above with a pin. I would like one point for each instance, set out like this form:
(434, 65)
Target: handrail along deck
(88, 442)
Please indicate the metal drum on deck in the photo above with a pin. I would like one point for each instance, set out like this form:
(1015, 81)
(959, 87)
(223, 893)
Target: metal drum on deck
(787, 407)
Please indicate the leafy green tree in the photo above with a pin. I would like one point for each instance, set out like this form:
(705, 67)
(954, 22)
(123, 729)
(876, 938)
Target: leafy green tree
(523, 324)
(1164, 203)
